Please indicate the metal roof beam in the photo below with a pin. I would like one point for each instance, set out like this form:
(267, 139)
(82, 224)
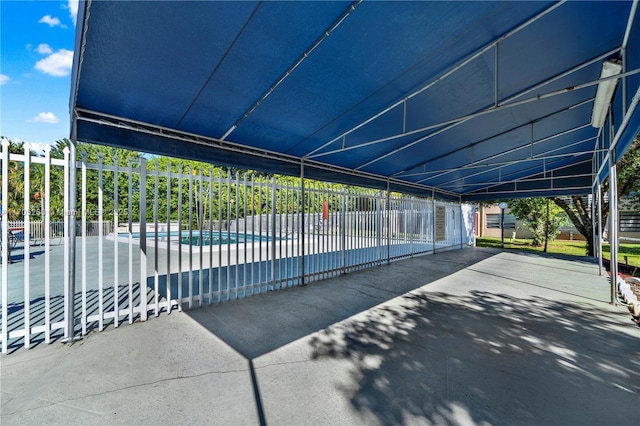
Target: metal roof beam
(510, 163)
(525, 193)
(447, 73)
(512, 150)
(489, 139)
(502, 107)
(524, 178)
(81, 114)
(297, 63)
(499, 169)
(457, 121)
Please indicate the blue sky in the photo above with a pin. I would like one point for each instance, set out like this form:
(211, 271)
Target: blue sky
(36, 52)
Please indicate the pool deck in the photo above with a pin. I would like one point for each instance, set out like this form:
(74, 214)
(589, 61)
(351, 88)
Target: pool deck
(474, 336)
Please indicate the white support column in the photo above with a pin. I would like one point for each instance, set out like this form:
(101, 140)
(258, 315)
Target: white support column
(599, 246)
(274, 272)
(116, 272)
(100, 243)
(613, 226)
(303, 231)
(66, 194)
(168, 271)
(156, 272)
(26, 230)
(179, 289)
(130, 239)
(190, 172)
(462, 228)
(593, 223)
(47, 244)
(71, 238)
(388, 223)
(143, 239)
(343, 235)
(84, 248)
(433, 216)
(5, 244)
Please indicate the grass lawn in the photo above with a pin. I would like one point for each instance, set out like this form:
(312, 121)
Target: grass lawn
(573, 248)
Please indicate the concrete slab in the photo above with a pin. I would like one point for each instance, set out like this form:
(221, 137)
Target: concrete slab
(474, 336)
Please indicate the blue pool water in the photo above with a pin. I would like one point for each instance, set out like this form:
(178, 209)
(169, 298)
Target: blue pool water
(206, 238)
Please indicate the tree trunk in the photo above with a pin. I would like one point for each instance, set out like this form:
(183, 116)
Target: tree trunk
(546, 228)
(580, 220)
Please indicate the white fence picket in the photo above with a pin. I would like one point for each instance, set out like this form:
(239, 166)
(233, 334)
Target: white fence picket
(251, 234)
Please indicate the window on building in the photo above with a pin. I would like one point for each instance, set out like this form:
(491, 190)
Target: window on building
(630, 221)
(493, 221)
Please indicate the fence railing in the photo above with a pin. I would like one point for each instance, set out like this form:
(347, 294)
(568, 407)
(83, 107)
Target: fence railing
(151, 241)
(56, 229)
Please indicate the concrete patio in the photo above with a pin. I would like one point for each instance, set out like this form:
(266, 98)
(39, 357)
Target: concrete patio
(474, 336)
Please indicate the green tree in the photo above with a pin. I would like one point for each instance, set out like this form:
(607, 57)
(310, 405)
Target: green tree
(16, 177)
(579, 211)
(542, 217)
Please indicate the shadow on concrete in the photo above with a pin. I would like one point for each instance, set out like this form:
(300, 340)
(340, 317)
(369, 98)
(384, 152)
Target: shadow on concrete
(38, 309)
(16, 255)
(486, 358)
(264, 322)
(446, 359)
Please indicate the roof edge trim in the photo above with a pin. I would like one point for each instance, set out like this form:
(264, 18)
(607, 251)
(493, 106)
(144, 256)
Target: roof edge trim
(151, 129)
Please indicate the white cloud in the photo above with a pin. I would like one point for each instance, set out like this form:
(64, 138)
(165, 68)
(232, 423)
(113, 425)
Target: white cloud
(49, 20)
(44, 49)
(73, 10)
(38, 146)
(45, 117)
(57, 64)
(4, 79)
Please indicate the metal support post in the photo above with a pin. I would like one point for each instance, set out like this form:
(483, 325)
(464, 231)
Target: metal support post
(613, 226)
(433, 216)
(143, 239)
(378, 226)
(343, 237)
(599, 192)
(501, 228)
(4, 240)
(503, 206)
(388, 208)
(303, 230)
(593, 218)
(461, 223)
(274, 272)
(71, 226)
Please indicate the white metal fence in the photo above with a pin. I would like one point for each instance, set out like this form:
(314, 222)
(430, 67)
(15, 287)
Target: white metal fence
(157, 240)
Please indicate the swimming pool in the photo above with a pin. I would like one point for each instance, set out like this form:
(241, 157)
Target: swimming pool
(202, 239)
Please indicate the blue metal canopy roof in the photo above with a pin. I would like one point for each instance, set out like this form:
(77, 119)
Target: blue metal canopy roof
(472, 99)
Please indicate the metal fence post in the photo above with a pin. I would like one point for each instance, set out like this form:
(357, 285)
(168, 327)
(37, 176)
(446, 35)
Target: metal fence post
(461, 223)
(343, 235)
(100, 251)
(27, 256)
(274, 273)
(5, 243)
(84, 247)
(378, 227)
(71, 228)
(388, 223)
(434, 219)
(303, 232)
(599, 192)
(613, 226)
(143, 239)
